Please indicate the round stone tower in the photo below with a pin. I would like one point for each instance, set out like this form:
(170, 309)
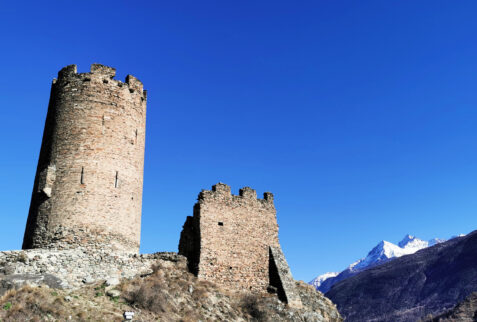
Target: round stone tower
(88, 184)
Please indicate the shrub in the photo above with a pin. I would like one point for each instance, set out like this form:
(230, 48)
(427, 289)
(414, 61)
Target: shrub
(250, 305)
(151, 295)
(22, 257)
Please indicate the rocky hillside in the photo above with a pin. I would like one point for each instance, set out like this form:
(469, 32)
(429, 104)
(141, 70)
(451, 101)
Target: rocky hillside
(168, 292)
(429, 282)
(466, 311)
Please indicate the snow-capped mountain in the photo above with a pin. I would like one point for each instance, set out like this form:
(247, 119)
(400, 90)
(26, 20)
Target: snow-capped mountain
(419, 286)
(380, 254)
(316, 282)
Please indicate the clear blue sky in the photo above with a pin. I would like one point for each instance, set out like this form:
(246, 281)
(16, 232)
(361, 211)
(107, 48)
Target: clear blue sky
(360, 116)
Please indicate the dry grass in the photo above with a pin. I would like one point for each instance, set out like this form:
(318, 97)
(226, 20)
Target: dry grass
(151, 295)
(171, 293)
(28, 304)
(42, 303)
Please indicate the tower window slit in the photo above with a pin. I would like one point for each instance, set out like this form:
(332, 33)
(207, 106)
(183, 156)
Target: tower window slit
(135, 139)
(82, 175)
(116, 180)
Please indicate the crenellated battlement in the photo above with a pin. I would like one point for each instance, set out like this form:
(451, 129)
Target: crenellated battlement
(67, 71)
(103, 70)
(134, 83)
(223, 191)
(268, 196)
(247, 192)
(100, 73)
(221, 188)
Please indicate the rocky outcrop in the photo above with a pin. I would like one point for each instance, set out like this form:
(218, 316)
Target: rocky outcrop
(316, 304)
(430, 281)
(465, 311)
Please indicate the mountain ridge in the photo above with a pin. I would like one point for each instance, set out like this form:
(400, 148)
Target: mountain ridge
(383, 252)
(430, 281)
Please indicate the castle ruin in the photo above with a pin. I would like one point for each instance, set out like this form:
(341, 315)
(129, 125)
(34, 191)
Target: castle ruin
(233, 241)
(88, 191)
(88, 184)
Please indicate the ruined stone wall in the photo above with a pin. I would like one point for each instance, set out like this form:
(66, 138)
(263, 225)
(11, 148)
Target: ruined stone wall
(227, 240)
(72, 268)
(88, 185)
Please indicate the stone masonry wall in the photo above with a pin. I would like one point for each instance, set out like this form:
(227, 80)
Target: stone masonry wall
(88, 185)
(227, 240)
(73, 268)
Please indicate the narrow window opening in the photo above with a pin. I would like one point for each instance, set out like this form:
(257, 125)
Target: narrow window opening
(221, 223)
(116, 180)
(82, 175)
(135, 139)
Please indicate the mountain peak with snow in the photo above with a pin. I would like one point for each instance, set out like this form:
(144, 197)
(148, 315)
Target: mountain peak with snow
(385, 250)
(407, 239)
(410, 242)
(316, 282)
